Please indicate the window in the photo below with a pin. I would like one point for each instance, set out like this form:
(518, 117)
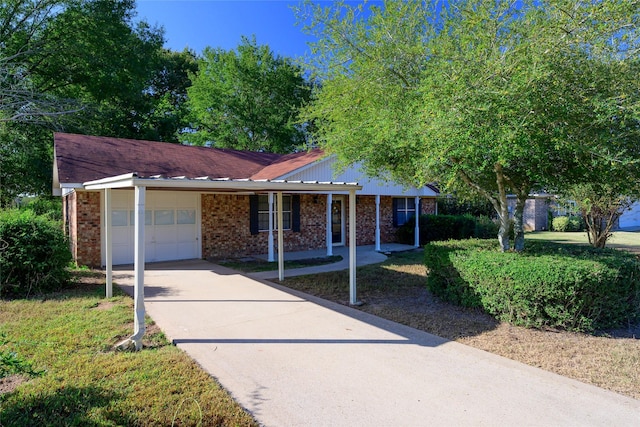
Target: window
(263, 213)
(404, 208)
(259, 213)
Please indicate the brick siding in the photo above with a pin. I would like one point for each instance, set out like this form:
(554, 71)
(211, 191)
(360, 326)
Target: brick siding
(226, 227)
(82, 223)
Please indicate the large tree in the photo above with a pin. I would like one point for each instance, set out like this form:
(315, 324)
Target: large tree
(489, 97)
(76, 65)
(247, 99)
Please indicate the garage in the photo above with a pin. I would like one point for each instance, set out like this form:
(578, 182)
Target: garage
(172, 226)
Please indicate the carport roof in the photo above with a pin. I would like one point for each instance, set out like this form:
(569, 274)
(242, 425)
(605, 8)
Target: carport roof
(216, 184)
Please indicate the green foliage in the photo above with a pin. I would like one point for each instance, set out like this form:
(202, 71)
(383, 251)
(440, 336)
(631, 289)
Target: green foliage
(571, 223)
(445, 227)
(549, 285)
(475, 207)
(83, 66)
(560, 223)
(72, 334)
(493, 98)
(602, 204)
(248, 100)
(34, 254)
(11, 363)
(50, 207)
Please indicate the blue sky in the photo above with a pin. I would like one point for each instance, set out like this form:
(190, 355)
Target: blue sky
(220, 23)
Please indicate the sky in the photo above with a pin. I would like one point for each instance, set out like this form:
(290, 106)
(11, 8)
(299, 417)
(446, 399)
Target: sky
(221, 23)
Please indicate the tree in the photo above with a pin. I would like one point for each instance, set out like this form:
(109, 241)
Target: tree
(484, 97)
(247, 99)
(76, 65)
(601, 206)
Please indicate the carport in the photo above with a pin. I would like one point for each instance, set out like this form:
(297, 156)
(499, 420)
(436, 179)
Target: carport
(205, 184)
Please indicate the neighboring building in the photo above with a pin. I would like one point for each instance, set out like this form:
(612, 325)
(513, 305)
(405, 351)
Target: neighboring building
(184, 220)
(630, 219)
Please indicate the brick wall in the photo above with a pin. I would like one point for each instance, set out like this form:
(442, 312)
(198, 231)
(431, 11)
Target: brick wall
(226, 228)
(82, 220)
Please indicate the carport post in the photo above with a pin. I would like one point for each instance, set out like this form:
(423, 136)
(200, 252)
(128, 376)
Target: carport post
(107, 242)
(139, 328)
(270, 258)
(329, 231)
(377, 222)
(417, 230)
(280, 238)
(352, 248)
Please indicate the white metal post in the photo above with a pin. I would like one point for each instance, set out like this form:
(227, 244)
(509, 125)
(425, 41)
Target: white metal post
(417, 230)
(329, 231)
(352, 248)
(280, 237)
(377, 222)
(271, 257)
(139, 327)
(107, 242)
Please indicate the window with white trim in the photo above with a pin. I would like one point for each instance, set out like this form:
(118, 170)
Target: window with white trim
(404, 208)
(263, 213)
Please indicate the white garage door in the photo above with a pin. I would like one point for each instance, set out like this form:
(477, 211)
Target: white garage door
(172, 224)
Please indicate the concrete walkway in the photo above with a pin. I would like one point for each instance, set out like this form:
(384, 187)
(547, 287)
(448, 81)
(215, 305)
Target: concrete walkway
(364, 255)
(295, 360)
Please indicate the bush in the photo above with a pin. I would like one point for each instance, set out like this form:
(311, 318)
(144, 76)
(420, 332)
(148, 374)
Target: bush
(549, 285)
(560, 223)
(445, 227)
(34, 254)
(576, 223)
(567, 223)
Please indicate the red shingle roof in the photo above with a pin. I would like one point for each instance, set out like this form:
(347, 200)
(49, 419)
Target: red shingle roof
(82, 158)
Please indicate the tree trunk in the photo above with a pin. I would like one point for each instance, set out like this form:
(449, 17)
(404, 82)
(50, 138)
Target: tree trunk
(503, 211)
(518, 223)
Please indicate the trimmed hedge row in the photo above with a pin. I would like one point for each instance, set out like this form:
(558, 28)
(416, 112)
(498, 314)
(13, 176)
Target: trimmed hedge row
(34, 254)
(445, 227)
(571, 287)
(567, 223)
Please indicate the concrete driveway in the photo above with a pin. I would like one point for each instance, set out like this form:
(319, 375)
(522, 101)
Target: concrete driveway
(295, 360)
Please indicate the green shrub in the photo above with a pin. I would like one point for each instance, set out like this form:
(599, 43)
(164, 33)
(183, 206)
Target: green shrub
(486, 228)
(446, 227)
(560, 223)
(576, 223)
(549, 285)
(34, 254)
(51, 207)
(567, 223)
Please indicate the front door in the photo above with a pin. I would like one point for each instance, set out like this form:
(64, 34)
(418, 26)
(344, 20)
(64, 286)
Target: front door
(337, 225)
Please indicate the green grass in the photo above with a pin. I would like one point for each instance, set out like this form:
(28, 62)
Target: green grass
(256, 265)
(70, 335)
(626, 240)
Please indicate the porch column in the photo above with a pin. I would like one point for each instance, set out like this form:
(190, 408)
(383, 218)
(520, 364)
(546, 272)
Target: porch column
(280, 237)
(417, 230)
(107, 242)
(352, 248)
(138, 295)
(329, 233)
(271, 256)
(377, 222)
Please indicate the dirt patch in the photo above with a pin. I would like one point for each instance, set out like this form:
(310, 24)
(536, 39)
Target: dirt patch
(10, 383)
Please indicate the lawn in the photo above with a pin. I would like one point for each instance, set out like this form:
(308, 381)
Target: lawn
(626, 240)
(69, 337)
(396, 290)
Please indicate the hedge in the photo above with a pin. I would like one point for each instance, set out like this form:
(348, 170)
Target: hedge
(570, 287)
(445, 227)
(34, 254)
